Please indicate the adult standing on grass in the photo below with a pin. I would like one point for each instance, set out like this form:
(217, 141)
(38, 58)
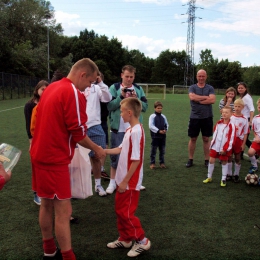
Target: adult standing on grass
(120, 91)
(4, 176)
(96, 93)
(61, 123)
(28, 110)
(202, 96)
(248, 110)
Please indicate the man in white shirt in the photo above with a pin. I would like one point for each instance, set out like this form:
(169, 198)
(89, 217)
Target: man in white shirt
(96, 93)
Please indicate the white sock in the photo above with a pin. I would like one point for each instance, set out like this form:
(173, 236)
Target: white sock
(143, 241)
(229, 168)
(224, 172)
(253, 161)
(210, 169)
(112, 182)
(97, 182)
(237, 169)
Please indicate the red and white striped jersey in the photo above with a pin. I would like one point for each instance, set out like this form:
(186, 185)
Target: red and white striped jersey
(223, 136)
(241, 124)
(256, 125)
(132, 149)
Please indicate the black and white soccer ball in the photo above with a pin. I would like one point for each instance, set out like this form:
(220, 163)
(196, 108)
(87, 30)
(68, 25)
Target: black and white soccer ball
(251, 179)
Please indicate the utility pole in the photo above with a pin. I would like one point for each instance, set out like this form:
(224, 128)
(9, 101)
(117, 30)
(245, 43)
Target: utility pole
(189, 61)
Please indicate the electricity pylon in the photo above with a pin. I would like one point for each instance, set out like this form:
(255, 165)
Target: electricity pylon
(189, 61)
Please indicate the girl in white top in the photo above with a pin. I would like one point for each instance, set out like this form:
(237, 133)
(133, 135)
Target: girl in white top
(248, 110)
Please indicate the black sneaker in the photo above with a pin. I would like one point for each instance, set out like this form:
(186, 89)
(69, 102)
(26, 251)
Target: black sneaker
(229, 177)
(236, 179)
(74, 220)
(189, 163)
(104, 175)
(57, 256)
(206, 163)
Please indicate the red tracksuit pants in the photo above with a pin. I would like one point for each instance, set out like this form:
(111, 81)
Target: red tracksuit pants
(128, 225)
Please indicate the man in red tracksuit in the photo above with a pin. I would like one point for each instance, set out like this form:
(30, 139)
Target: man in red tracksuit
(61, 123)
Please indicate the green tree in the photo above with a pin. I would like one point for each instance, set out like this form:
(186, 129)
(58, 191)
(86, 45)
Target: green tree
(23, 28)
(169, 68)
(251, 76)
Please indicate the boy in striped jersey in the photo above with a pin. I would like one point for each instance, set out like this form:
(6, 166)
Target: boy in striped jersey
(255, 146)
(129, 175)
(241, 124)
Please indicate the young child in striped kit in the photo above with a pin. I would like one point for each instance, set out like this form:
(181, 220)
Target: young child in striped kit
(129, 175)
(241, 124)
(221, 145)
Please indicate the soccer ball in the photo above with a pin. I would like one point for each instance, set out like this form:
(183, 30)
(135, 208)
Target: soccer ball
(251, 179)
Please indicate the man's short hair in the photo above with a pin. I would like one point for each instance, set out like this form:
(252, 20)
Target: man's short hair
(129, 68)
(239, 101)
(86, 65)
(158, 104)
(133, 104)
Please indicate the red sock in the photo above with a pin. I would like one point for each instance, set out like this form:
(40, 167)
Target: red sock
(49, 246)
(68, 255)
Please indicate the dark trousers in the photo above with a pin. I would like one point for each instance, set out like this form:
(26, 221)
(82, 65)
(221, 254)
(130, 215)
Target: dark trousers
(157, 143)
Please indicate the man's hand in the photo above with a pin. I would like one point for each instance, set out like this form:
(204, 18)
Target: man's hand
(100, 152)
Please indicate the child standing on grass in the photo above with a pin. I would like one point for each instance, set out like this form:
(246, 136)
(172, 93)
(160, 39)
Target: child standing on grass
(158, 126)
(221, 145)
(28, 110)
(129, 175)
(255, 146)
(228, 100)
(241, 124)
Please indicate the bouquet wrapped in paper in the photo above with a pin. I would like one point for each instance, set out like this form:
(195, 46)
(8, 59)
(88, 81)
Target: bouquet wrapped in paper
(9, 156)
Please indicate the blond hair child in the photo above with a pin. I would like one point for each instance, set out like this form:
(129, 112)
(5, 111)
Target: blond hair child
(129, 175)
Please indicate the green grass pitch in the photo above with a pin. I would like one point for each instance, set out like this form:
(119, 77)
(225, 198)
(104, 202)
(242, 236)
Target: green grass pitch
(184, 218)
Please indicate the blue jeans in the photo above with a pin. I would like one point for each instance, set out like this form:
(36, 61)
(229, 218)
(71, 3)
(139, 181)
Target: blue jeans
(157, 143)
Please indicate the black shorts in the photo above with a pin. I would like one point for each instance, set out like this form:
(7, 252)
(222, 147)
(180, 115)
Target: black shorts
(204, 125)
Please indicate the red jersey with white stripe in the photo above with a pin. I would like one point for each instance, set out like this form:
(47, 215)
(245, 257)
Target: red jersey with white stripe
(60, 124)
(132, 149)
(256, 125)
(241, 124)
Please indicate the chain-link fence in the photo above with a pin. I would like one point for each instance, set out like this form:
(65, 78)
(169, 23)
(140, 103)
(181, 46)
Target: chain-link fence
(14, 86)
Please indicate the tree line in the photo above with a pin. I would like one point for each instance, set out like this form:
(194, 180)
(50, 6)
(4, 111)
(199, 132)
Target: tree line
(25, 25)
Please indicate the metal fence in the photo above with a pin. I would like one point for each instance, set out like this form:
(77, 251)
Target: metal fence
(13, 86)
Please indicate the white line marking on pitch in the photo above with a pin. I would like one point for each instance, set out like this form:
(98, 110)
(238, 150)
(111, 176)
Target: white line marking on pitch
(10, 109)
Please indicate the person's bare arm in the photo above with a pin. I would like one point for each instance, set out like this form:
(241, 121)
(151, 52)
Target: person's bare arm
(197, 98)
(116, 150)
(211, 99)
(87, 143)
